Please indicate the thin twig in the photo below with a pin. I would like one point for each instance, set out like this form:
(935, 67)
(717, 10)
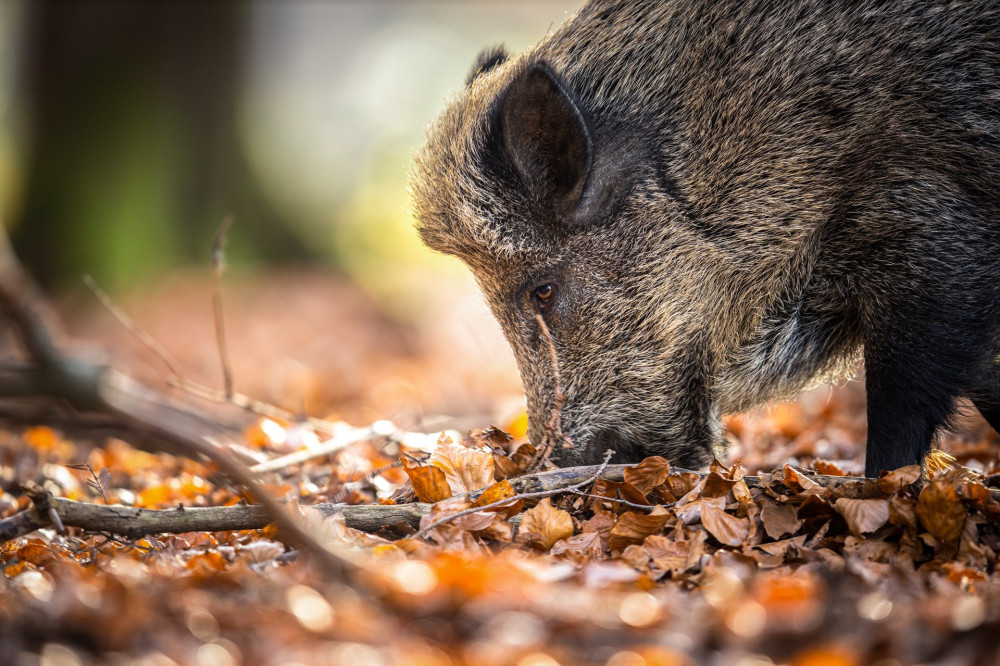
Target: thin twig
(553, 431)
(633, 505)
(218, 266)
(507, 501)
(327, 447)
(132, 327)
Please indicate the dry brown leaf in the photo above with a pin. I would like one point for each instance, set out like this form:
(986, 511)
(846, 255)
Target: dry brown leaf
(630, 493)
(770, 555)
(667, 554)
(602, 523)
(726, 528)
(690, 512)
(546, 521)
(466, 469)
(634, 527)
(898, 478)
(780, 519)
(902, 511)
(648, 474)
(863, 516)
(429, 483)
(940, 512)
(680, 485)
(586, 543)
(800, 482)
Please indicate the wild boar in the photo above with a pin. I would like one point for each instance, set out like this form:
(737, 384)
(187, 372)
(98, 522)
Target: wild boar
(717, 203)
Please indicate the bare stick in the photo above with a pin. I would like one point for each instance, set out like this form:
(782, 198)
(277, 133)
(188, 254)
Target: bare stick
(331, 445)
(131, 522)
(132, 327)
(507, 501)
(553, 431)
(218, 266)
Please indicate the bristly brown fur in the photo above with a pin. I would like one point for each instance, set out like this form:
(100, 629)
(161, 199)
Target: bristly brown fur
(734, 199)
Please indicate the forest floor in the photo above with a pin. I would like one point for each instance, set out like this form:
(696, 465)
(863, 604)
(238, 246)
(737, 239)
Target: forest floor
(653, 566)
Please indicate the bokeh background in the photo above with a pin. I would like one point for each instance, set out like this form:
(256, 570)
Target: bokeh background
(129, 130)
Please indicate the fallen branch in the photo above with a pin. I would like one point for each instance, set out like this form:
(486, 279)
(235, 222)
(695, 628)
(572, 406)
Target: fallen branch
(132, 523)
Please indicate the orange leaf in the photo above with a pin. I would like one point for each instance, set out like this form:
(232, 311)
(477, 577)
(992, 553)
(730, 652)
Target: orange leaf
(498, 491)
(155, 496)
(518, 426)
(726, 529)
(429, 483)
(42, 438)
(940, 512)
(796, 481)
(648, 474)
(207, 562)
(548, 522)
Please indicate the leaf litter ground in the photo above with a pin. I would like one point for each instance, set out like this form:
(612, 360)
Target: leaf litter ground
(660, 567)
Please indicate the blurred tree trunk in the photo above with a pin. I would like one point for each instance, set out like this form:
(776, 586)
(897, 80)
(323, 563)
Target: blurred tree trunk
(134, 156)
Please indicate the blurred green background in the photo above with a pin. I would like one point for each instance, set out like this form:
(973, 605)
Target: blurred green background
(128, 130)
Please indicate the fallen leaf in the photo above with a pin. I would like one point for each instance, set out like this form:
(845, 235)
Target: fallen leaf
(940, 512)
(498, 491)
(585, 543)
(863, 516)
(546, 521)
(690, 512)
(800, 482)
(780, 519)
(828, 468)
(633, 528)
(903, 477)
(726, 528)
(648, 474)
(466, 469)
(430, 483)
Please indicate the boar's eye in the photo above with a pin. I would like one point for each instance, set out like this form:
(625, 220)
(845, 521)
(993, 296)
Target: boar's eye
(542, 296)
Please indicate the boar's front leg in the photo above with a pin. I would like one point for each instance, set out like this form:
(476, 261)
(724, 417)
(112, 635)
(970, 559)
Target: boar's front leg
(903, 412)
(915, 369)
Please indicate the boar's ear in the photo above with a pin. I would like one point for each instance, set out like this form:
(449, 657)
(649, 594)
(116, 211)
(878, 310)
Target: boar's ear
(547, 138)
(487, 60)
